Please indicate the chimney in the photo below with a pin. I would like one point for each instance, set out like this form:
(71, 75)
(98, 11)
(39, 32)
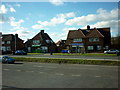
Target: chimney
(88, 27)
(42, 31)
(16, 35)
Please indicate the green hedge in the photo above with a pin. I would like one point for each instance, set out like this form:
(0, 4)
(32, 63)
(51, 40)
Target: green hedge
(70, 61)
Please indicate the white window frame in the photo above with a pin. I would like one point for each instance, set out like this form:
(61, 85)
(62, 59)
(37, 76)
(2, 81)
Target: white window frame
(8, 42)
(94, 39)
(3, 48)
(90, 48)
(3, 42)
(77, 40)
(36, 42)
(8, 48)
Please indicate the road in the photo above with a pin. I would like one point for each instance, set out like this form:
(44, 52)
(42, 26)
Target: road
(51, 75)
(71, 57)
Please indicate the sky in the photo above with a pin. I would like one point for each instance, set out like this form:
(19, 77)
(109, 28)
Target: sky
(56, 18)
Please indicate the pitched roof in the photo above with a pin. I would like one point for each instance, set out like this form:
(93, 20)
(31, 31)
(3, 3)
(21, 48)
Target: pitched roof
(94, 33)
(9, 37)
(76, 34)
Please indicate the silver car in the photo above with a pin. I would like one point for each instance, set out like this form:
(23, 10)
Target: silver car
(112, 51)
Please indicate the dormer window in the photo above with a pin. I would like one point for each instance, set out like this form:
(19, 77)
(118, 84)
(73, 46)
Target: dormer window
(77, 40)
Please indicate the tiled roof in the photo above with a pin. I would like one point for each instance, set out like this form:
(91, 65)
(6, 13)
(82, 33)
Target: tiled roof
(76, 34)
(9, 37)
(94, 33)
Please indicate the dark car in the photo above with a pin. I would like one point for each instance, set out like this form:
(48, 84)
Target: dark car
(112, 51)
(20, 52)
(7, 59)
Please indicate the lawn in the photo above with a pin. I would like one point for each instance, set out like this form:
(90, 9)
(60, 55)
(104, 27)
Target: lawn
(86, 54)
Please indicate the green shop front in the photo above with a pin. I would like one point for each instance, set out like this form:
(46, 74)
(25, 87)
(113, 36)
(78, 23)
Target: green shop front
(39, 49)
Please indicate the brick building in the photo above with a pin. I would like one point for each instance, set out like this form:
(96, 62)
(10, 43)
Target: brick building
(88, 40)
(40, 43)
(11, 43)
(60, 45)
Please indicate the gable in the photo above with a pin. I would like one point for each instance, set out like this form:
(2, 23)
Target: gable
(94, 33)
(75, 34)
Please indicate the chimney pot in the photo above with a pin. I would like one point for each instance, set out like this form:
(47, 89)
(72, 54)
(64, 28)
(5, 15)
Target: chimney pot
(42, 31)
(88, 27)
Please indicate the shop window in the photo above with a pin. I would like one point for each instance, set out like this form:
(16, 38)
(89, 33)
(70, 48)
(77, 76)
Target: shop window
(98, 47)
(90, 48)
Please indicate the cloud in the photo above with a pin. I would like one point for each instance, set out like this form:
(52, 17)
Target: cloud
(100, 16)
(14, 23)
(12, 10)
(59, 19)
(37, 27)
(3, 9)
(56, 2)
(67, 29)
(18, 5)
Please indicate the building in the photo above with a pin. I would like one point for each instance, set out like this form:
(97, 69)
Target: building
(40, 43)
(0, 43)
(60, 45)
(88, 40)
(11, 43)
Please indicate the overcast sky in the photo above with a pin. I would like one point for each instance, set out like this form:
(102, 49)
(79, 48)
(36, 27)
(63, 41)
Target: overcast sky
(56, 18)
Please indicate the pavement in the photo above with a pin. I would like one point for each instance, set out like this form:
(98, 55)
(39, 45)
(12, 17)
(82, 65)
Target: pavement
(51, 75)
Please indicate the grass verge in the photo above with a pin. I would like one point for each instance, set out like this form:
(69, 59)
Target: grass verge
(69, 61)
(86, 54)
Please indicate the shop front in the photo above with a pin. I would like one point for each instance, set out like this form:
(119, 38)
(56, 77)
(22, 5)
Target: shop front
(77, 48)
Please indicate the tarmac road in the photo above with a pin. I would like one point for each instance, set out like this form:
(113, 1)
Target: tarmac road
(51, 75)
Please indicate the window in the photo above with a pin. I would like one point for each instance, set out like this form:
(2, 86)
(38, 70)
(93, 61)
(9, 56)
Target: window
(3, 48)
(98, 47)
(8, 48)
(3, 42)
(48, 41)
(77, 40)
(8, 42)
(93, 39)
(36, 42)
(90, 47)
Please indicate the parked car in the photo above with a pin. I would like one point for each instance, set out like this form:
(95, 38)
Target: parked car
(7, 59)
(112, 51)
(20, 52)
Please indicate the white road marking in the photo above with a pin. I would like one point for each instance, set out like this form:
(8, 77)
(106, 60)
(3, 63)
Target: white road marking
(18, 70)
(41, 72)
(44, 66)
(59, 74)
(6, 69)
(97, 76)
(37, 66)
(76, 75)
(29, 71)
(19, 65)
